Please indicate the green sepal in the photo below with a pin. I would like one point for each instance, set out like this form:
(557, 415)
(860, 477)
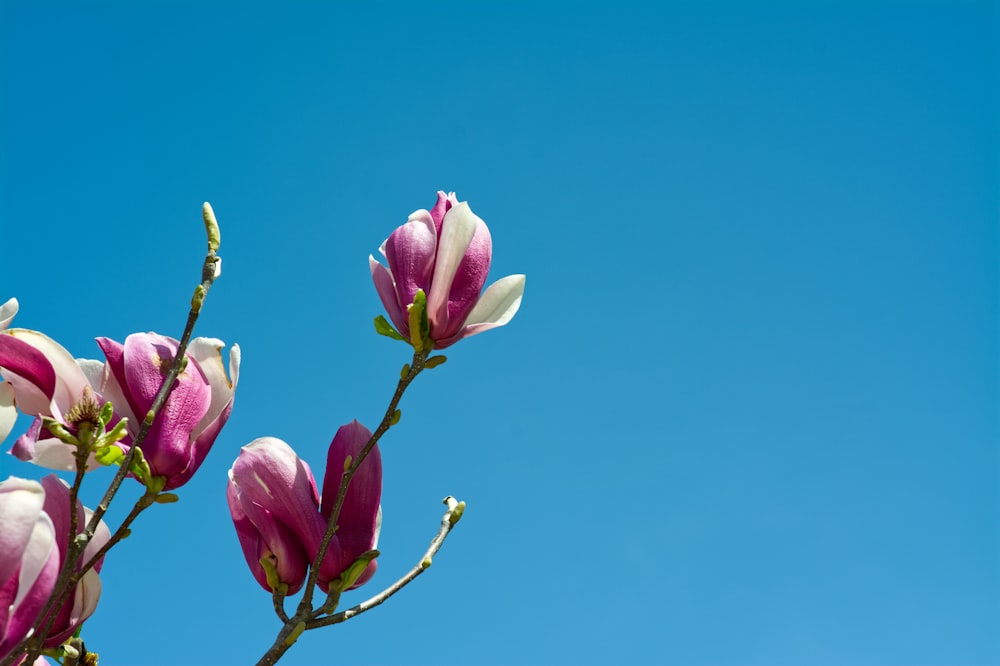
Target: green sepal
(419, 325)
(353, 572)
(60, 431)
(156, 484)
(394, 419)
(271, 574)
(383, 327)
(107, 411)
(166, 498)
(116, 434)
(109, 455)
(435, 361)
(140, 468)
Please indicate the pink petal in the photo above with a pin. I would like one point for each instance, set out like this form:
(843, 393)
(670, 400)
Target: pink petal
(357, 525)
(269, 474)
(36, 578)
(30, 374)
(386, 288)
(410, 252)
(70, 380)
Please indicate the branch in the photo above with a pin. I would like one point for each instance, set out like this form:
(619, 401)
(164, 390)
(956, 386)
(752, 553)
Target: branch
(448, 522)
(294, 626)
(389, 419)
(62, 589)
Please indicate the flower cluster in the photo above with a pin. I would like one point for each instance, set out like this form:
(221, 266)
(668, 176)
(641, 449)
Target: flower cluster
(67, 398)
(87, 414)
(280, 518)
(46, 381)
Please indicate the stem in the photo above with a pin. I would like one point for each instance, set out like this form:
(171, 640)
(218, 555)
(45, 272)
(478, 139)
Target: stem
(447, 523)
(282, 644)
(419, 358)
(143, 503)
(63, 587)
(278, 599)
(304, 612)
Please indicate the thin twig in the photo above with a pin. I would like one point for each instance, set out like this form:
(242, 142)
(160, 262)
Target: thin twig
(419, 358)
(62, 589)
(447, 523)
(278, 599)
(304, 612)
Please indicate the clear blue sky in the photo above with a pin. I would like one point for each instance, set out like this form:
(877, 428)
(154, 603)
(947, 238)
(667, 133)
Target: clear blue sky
(748, 413)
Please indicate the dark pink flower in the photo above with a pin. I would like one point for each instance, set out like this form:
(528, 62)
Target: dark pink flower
(195, 411)
(34, 535)
(278, 514)
(446, 252)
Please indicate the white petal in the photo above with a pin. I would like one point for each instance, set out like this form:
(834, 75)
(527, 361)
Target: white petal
(208, 353)
(52, 453)
(457, 230)
(70, 379)
(36, 555)
(88, 592)
(8, 412)
(93, 371)
(7, 312)
(497, 306)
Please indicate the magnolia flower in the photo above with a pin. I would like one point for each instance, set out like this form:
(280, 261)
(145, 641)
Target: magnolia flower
(45, 380)
(34, 535)
(446, 252)
(279, 517)
(195, 411)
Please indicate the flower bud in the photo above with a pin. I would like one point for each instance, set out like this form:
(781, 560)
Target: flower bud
(278, 516)
(446, 253)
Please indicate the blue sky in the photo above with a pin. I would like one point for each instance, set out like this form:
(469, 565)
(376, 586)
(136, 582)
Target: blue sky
(748, 413)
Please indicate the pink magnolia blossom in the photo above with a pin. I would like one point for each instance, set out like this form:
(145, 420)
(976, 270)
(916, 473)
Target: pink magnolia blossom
(279, 516)
(43, 379)
(446, 252)
(195, 411)
(34, 535)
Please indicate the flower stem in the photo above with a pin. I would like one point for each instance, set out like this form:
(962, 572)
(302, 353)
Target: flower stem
(304, 613)
(69, 575)
(448, 522)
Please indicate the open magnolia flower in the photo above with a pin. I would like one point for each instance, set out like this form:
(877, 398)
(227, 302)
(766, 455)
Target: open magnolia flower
(34, 538)
(47, 381)
(44, 379)
(445, 252)
(279, 517)
(195, 411)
